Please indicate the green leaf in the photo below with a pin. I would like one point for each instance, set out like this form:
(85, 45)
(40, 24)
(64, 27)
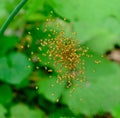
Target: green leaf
(24, 83)
(85, 31)
(34, 6)
(91, 11)
(32, 9)
(14, 68)
(101, 92)
(7, 43)
(107, 37)
(88, 17)
(103, 42)
(49, 88)
(45, 57)
(6, 94)
(23, 111)
(116, 111)
(63, 113)
(6, 7)
(2, 111)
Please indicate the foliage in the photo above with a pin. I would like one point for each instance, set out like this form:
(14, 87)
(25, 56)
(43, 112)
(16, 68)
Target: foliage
(29, 85)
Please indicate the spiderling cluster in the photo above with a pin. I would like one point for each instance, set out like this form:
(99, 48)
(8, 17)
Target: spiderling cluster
(64, 53)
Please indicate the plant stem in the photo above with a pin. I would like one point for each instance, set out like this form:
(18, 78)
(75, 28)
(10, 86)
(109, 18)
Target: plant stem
(12, 15)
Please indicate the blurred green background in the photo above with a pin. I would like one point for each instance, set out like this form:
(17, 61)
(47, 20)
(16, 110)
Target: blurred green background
(26, 91)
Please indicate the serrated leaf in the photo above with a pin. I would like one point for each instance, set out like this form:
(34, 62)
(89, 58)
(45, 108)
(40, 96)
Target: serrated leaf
(14, 68)
(99, 92)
